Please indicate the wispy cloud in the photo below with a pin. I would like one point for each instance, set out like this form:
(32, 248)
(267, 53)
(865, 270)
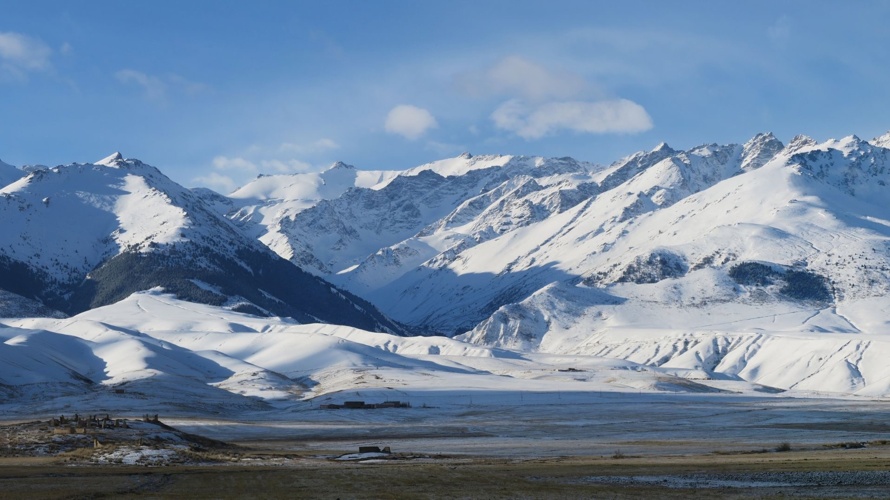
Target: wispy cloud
(517, 76)
(215, 180)
(21, 54)
(228, 172)
(236, 164)
(543, 102)
(273, 165)
(411, 122)
(153, 87)
(534, 122)
(780, 31)
(156, 88)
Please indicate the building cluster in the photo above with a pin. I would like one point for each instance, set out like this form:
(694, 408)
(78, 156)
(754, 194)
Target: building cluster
(79, 424)
(361, 405)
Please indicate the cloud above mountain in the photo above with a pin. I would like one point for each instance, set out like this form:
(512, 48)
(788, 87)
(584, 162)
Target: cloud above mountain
(597, 117)
(410, 122)
(21, 54)
(543, 101)
(156, 88)
(518, 76)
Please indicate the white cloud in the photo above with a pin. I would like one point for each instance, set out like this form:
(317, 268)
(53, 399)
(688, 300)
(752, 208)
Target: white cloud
(544, 101)
(516, 76)
(234, 164)
(156, 88)
(20, 54)
(219, 182)
(247, 167)
(229, 172)
(185, 85)
(409, 121)
(153, 87)
(598, 117)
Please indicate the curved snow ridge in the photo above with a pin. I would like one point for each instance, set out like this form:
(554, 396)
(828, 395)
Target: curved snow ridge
(152, 341)
(838, 363)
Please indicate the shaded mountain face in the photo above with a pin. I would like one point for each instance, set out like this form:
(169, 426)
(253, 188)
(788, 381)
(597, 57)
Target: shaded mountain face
(81, 236)
(446, 246)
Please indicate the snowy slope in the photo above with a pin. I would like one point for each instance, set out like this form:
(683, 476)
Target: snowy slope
(15, 306)
(882, 141)
(261, 204)
(721, 267)
(152, 351)
(444, 245)
(85, 235)
(335, 236)
(509, 267)
(799, 245)
(157, 351)
(516, 202)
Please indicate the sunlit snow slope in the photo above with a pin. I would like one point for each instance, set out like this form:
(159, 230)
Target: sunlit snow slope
(152, 350)
(721, 259)
(85, 235)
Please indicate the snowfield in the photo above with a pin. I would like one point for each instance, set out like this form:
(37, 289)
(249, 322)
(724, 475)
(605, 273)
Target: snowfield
(153, 352)
(756, 272)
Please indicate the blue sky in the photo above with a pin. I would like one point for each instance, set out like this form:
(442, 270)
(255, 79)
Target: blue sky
(216, 92)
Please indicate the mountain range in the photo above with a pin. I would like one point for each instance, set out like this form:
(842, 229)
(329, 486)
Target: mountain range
(712, 260)
(81, 236)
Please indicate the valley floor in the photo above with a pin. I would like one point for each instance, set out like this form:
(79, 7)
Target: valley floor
(536, 425)
(507, 445)
(805, 474)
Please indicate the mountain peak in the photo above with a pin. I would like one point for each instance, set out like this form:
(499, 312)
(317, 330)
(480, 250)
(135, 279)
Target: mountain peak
(465, 155)
(848, 144)
(662, 148)
(881, 141)
(758, 151)
(762, 137)
(112, 160)
(799, 142)
(340, 165)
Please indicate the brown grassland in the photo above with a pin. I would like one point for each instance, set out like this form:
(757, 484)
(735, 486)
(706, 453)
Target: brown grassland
(403, 477)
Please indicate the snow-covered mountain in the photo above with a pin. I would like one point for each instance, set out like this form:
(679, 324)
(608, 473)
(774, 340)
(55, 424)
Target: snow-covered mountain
(81, 236)
(329, 230)
(797, 245)
(764, 263)
(472, 243)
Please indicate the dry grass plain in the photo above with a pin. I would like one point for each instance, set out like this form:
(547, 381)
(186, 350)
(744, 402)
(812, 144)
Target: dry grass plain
(814, 473)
